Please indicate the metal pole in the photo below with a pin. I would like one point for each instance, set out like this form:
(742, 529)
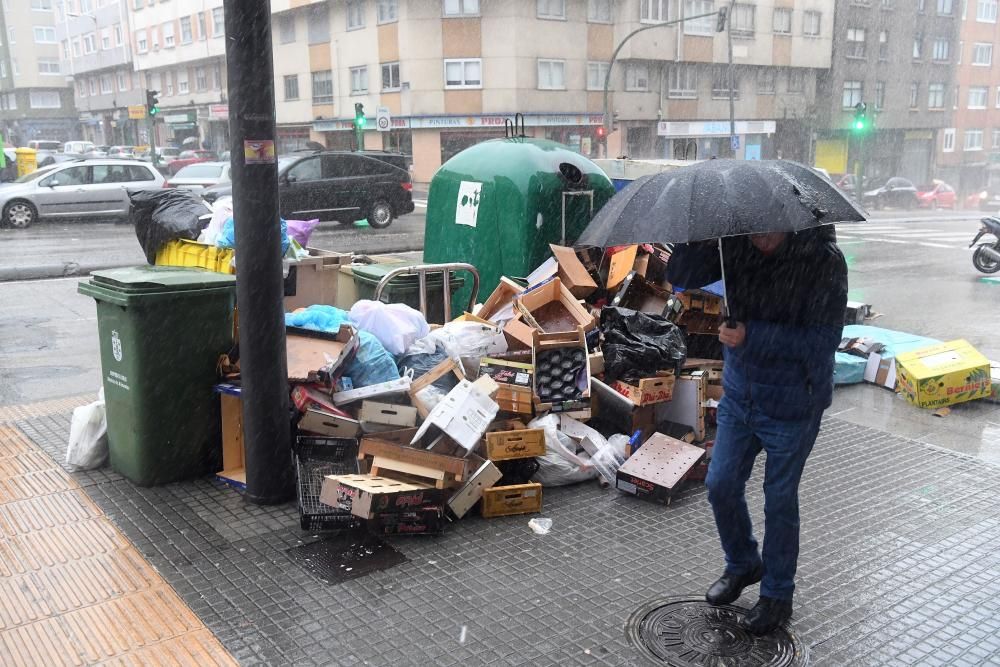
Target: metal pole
(732, 103)
(730, 322)
(259, 284)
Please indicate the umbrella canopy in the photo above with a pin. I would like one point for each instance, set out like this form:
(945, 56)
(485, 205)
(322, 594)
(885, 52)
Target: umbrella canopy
(719, 198)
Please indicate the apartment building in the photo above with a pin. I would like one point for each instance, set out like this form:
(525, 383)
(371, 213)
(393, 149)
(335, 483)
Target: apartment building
(968, 151)
(451, 72)
(899, 58)
(35, 100)
(95, 53)
(179, 50)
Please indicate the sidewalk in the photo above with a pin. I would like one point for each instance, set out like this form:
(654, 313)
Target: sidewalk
(899, 566)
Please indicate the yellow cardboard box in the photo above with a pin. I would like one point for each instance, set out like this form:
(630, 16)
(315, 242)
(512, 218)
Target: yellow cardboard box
(943, 374)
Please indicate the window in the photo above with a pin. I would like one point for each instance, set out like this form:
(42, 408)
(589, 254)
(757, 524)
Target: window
(355, 14)
(90, 43)
(44, 99)
(105, 84)
(122, 82)
(105, 39)
(654, 11)
(982, 54)
(551, 74)
(202, 29)
(217, 76)
(973, 140)
(852, 94)
(948, 140)
(463, 73)
(47, 66)
(942, 49)
(308, 169)
(92, 86)
(45, 34)
(200, 79)
(720, 84)
(119, 37)
(187, 34)
(387, 10)
(765, 81)
(68, 176)
(996, 140)
(168, 35)
(944, 7)
(796, 81)
(183, 87)
(390, 76)
(682, 82)
(77, 51)
(551, 9)
(811, 23)
(914, 95)
(318, 22)
(359, 80)
(291, 87)
(461, 8)
(322, 87)
(8, 101)
(986, 11)
(935, 96)
(637, 77)
(286, 28)
(954, 97)
(41, 5)
(743, 19)
(703, 26)
(597, 72)
(81, 88)
(170, 82)
(978, 96)
(599, 11)
(883, 45)
(880, 94)
(781, 21)
(154, 39)
(218, 22)
(65, 49)
(918, 46)
(855, 43)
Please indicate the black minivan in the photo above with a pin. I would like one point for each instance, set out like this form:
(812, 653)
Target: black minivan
(338, 185)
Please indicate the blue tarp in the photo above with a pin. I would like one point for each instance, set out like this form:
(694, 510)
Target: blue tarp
(850, 369)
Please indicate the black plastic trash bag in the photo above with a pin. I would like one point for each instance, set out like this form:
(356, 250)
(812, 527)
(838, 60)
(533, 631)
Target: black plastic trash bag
(637, 344)
(161, 216)
(422, 363)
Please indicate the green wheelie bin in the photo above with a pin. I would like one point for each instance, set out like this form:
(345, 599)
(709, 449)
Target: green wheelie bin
(161, 332)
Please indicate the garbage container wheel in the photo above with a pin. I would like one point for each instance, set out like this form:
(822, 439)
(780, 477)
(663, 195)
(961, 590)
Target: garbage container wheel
(380, 214)
(19, 214)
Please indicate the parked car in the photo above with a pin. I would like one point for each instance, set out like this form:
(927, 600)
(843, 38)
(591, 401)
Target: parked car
(847, 184)
(401, 160)
(987, 200)
(895, 192)
(78, 147)
(338, 185)
(197, 177)
(49, 158)
(168, 154)
(184, 158)
(75, 189)
(45, 145)
(936, 194)
(122, 151)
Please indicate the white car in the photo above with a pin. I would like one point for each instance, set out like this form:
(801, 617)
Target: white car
(196, 177)
(78, 147)
(76, 189)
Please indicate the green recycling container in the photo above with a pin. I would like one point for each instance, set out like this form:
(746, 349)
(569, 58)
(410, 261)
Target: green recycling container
(406, 289)
(161, 332)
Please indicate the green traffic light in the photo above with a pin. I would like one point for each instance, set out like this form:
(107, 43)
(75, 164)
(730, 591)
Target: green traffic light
(859, 125)
(154, 111)
(360, 121)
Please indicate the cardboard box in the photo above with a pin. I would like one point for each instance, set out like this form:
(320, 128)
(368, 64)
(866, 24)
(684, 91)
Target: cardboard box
(551, 308)
(572, 272)
(687, 406)
(638, 294)
(325, 423)
(618, 413)
(504, 445)
(387, 414)
(418, 462)
(463, 415)
(579, 408)
(856, 312)
(418, 521)
(516, 383)
(366, 496)
(647, 391)
(510, 500)
(657, 468)
(500, 306)
(881, 371)
(429, 378)
(620, 263)
(233, 466)
(305, 397)
(315, 279)
(390, 388)
(943, 374)
(466, 497)
(315, 356)
(518, 333)
(994, 396)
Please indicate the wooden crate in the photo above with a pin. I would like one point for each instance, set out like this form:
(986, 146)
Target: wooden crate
(510, 500)
(520, 444)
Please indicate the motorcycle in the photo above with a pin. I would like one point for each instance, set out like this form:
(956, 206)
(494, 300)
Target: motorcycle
(987, 256)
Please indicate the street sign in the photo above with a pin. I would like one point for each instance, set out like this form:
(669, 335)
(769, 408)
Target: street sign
(136, 111)
(734, 142)
(383, 120)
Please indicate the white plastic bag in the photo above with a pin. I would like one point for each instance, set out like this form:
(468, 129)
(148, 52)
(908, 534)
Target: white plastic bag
(88, 436)
(465, 342)
(610, 457)
(396, 325)
(561, 465)
(221, 210)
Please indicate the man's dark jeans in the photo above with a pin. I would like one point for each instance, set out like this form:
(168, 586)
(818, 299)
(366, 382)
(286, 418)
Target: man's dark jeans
(742, 434)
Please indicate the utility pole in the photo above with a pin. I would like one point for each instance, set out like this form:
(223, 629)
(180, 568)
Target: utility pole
(730, 76)
(259, 283)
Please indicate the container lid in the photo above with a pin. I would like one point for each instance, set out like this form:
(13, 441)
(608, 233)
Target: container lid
(146, 279)
(373, 273)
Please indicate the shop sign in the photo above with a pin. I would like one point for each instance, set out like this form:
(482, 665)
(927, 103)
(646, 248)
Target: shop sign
(471, 122)
(136, 111)
(218, 111)
(667, 128)
(180, 118)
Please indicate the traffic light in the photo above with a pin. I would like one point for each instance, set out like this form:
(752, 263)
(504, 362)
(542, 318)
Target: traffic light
(720, 24)
(600, 131)
(860, 117)
(152, 102)
(359, 116)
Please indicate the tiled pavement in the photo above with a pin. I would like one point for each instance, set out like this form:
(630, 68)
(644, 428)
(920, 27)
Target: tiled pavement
(899, 565)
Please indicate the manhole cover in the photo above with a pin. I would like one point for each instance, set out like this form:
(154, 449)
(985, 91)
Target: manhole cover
(689, 631)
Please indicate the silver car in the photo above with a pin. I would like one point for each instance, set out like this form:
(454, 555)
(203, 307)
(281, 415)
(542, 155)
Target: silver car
(196, 177)
(77, 189)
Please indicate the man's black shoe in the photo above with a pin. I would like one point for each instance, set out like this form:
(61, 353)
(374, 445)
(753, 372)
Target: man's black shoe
(729, 586)
(767, 615)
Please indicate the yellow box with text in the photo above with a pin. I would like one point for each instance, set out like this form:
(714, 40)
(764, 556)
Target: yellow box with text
(943, 374)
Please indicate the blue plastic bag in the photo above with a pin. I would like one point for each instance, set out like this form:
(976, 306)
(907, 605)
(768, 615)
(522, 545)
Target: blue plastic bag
(371, 365)
(227, 237)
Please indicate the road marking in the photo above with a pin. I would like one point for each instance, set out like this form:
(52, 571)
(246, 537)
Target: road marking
(935, 245)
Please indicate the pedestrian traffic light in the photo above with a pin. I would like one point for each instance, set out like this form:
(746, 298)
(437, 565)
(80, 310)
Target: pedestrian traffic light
(359, 116)
(600, 132)
(860, 117)
(720, 24)
(152, 102)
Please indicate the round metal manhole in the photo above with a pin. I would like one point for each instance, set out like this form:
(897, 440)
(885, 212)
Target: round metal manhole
(689, 631)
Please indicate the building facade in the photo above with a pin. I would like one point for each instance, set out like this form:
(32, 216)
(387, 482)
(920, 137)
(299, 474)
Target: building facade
(969, 150)
(899, 58)
(96, 55)
(179, 50)
(35, 99)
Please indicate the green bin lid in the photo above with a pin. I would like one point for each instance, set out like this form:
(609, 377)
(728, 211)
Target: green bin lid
(148, 279)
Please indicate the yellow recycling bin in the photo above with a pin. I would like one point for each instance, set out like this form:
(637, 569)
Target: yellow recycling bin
(27, 161)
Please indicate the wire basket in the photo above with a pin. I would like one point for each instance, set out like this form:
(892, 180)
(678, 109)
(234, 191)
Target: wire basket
(315, 458)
